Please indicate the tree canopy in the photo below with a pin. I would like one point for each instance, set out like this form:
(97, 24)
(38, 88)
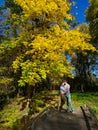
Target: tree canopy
(44, 41)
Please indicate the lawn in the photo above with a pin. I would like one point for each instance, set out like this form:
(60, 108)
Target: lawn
(80, 99)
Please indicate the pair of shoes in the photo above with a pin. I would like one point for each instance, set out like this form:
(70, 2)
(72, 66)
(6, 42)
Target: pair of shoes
(67, 110)
(72, 111)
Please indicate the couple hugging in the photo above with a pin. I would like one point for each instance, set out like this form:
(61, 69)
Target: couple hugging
(66, 96)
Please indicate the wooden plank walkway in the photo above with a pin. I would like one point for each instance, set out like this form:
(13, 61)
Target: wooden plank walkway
(81, 119)
(62, 121)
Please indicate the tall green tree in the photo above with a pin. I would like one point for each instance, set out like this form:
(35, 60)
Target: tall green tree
(92, 18)
(83, 62)
(9, 28)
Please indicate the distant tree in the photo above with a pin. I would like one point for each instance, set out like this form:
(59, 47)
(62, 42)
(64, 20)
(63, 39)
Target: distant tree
(85, 63)
(9, 23)
(92, 18)
(9, 28)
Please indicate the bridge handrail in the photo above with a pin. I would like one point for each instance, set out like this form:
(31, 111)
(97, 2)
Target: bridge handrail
(44, 112)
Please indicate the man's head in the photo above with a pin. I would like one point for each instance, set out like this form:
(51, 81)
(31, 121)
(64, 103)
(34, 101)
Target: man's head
(64, 82)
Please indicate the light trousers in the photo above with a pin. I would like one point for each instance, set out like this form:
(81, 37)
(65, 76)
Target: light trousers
(68, 102)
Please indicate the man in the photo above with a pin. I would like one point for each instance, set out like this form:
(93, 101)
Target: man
(66, 96)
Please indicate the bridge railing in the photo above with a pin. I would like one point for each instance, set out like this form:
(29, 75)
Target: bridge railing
(34, 122)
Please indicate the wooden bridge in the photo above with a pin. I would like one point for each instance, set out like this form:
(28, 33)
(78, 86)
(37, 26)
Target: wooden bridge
(52, 119)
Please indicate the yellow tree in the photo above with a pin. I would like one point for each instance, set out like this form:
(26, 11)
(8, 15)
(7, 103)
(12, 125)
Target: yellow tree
(44, 39)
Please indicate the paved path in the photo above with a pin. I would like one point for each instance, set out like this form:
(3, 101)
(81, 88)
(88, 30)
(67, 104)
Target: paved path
(62, 121)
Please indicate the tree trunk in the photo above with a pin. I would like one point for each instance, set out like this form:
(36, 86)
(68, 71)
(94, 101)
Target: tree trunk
(82, 88)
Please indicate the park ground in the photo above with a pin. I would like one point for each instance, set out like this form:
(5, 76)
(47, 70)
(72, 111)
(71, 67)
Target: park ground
(13, 112)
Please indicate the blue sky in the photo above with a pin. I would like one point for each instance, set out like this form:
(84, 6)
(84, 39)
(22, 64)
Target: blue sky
(1, 1)
(80, 8)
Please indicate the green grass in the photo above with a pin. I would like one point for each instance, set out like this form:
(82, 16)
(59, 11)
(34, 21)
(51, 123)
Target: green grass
(80, 99)
(10, 114)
